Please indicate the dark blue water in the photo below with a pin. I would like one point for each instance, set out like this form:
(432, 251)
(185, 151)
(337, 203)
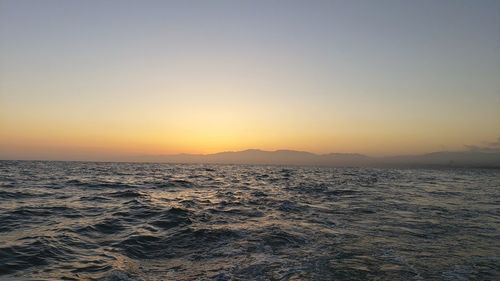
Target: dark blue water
(110, 221)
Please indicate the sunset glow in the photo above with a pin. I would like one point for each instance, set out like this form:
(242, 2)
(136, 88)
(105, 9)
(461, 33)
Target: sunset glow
(81, 81)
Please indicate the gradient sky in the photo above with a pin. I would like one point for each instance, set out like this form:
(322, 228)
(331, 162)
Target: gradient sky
(97, 79)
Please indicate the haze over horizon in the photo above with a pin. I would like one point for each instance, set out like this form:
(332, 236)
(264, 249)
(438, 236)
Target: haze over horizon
(99, 80)
(487, 156)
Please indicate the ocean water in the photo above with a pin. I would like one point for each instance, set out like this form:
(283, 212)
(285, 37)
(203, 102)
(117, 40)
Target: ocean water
(121, 221)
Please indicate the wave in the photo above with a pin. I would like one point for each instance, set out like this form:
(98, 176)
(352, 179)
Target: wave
(124, 221)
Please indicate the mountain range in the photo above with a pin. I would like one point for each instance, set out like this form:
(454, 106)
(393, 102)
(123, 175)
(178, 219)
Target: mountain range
(292, 157)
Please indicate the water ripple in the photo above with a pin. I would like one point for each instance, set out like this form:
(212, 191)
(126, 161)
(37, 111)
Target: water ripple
(120, 221)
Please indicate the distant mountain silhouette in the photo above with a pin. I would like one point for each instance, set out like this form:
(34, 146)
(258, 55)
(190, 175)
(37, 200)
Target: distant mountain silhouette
(292, 157)
(448, 158)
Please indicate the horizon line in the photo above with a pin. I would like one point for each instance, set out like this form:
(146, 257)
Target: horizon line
(123, 157)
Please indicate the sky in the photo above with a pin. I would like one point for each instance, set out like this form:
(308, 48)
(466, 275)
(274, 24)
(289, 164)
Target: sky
(100, 79)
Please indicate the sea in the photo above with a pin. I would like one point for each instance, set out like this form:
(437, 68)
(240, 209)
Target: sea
(147, 221)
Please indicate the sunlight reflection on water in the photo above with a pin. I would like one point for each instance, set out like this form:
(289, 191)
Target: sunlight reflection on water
(92, 221)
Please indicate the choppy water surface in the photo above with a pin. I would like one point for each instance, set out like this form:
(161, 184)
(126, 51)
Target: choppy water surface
(86, 221)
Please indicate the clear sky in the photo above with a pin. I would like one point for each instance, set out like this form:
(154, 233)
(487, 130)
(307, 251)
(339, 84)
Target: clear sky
(96, 79)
